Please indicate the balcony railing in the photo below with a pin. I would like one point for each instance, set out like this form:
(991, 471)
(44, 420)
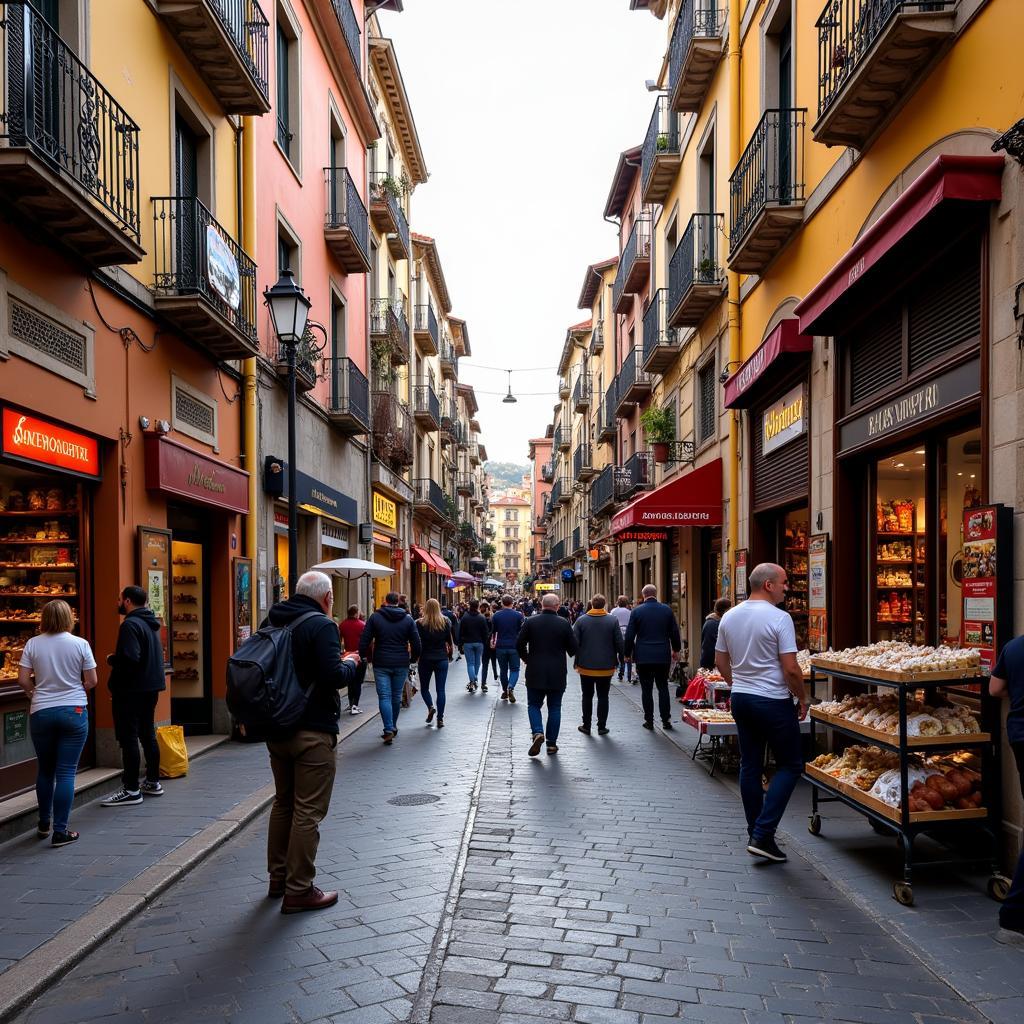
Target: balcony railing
(555, 495)
(577, 541)
(347, 224)
(205, 282)
(583, 462)
(661, 342)
(870, 57)
(428, 494)
(350, 30)
(560, 439)
(606, 427)
(659, 162)
(581, 393)
(694, 53)
(547, 472)
(308, 360)
(392, 430)
(634, 265)
(426, 406)
(602, 491)
(388, 322)
(766, 190)
(632, 384)
(81, 181)
(388, 215)
(696, 276)
(558, 552)
(349, 401)
(474, 454)
(635, 475)
(564, 484)
(426, 329)
(448, 360)
(597, 338)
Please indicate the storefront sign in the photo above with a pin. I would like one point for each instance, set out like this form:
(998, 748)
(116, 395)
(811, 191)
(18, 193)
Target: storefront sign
(641, 536)
(784, 421)
(817, 592)
(777, 349)
(314, 496)
(742, 554)
(568, 574)
(241, 570)
(179, 470)
(913, 407)
(694, 499)
(154, 574)
(222, 268)
(385, 511)
(45, 443)
(15, 727)
(987, 584)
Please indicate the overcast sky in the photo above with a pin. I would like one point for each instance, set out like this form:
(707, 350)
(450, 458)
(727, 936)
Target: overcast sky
(522, 107)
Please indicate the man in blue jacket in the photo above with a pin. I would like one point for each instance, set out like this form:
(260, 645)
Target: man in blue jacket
(391, 641)
(653, 643)
(505, 625)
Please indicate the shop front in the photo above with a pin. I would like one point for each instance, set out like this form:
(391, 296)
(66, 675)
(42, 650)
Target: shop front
(386, 543)
(48, 472)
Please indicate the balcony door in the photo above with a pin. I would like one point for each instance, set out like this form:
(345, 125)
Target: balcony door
(785, 180)
(186, 186)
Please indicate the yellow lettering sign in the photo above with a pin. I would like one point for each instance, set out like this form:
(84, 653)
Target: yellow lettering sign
(385, 511)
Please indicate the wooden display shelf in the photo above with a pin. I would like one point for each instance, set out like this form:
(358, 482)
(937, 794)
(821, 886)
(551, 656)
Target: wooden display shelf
(65, 566)
(826, 667)
(48, 543)
(39, 514)
(38, 593)
(894, 561)
(896, 586)
(887, 810)
(892, 739)
(23, 622)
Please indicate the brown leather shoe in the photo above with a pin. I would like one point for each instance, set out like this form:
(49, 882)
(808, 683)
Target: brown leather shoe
(276, 889)
(312, 899)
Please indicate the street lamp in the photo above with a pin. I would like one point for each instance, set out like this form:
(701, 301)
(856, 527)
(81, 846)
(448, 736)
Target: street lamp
(289, 310)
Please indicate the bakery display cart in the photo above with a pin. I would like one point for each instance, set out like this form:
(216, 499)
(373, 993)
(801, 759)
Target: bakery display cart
(943, 825)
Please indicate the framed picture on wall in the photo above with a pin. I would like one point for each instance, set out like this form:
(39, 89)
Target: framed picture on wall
(241, 599)
(154, 575)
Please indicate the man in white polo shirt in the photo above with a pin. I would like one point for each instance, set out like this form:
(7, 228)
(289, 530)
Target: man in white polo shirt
(756, 653)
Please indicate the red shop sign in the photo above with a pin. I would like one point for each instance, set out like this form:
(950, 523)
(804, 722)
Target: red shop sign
(46, 443)
(179, 470)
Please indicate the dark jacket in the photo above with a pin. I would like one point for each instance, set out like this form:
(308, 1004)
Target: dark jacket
(543, 644)
(474, 629)
(599, 640)
(316, 653)
(392, 632)
(434, 642)
(138, 659)
(453, 622)
(506, 624)
(652, 633)
(708, 638)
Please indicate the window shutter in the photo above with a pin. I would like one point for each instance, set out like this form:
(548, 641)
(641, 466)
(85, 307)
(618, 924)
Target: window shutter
(876, 354)
(945, 308)
(781, 477)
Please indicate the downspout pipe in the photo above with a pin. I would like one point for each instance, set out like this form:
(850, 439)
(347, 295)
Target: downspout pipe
(734, 309)
(250, 409)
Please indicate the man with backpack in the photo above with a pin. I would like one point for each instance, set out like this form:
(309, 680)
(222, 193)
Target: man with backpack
(302, 754)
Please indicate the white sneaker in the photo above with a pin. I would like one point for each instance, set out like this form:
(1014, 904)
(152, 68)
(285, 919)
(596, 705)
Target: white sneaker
(354, 710)
(359, 710)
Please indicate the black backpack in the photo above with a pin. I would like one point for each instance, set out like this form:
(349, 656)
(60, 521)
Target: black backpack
(264, 693)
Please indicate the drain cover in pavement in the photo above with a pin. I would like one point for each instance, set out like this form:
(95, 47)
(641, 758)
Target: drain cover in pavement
(413, 799)
(580, 778)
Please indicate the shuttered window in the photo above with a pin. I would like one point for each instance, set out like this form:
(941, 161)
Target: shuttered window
(706, 411)
(876, 354)
(781, 477)
(945, 311)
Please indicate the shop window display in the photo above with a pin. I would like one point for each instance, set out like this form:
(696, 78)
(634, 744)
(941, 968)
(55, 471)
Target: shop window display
(187, 618)
(795, 526)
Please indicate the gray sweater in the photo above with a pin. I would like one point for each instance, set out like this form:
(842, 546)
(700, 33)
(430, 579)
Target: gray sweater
(600, 644)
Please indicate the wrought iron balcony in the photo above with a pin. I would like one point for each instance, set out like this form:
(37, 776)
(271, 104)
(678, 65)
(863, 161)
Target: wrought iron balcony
(547, 472)
(583, 462)
(597, 338)
(564, 391)
(449, 362)
(637, 474)
(464, 484)
(69, 154)
(308, 362)
(660, 159)
(349, 401)
(564, 484)
(561, 441)
(388, 324)
(581, 393)
(634, 265)
(577, 547)
(696, 277)
(662, 344)
(554, 496)
(474, 454)
(871, 55)
(606, 425)
(393, 435)
(350, 30)
(694, 53)
(388, 215)
(558, 552)
(227, 42)
(632, 384)
(428, 499)
(205, 283)
(681, 452)
(347, 224)
(426, 406)
(602, 491)
(767, 191)
(426, 330)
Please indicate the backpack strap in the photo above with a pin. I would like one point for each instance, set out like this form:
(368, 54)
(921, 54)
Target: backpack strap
(292, 626)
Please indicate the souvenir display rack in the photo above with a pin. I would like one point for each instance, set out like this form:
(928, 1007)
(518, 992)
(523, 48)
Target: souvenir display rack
(794, 561)
(186, 619)
(898, 605)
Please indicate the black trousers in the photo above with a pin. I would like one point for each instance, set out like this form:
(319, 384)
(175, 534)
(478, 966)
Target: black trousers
(134, 715)
(652, 675)
(602, 684)
(355, 688)
(490, 658)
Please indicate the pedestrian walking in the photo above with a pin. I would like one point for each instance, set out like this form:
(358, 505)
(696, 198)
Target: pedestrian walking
(653, 642)
(600, 646)
(350, 629)
(436, 646)
(506, 625)
(474, 635)
(490, 659)
(303, 759)
(709, 632)
(55, 670)
(543, 644)
(1007, 680)
(135, 685)
(564, 611)
(621, 613)
(756, 654)
(390, 641)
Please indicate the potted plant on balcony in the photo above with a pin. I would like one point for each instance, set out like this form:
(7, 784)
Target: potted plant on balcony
(707, 270)
(660, 430)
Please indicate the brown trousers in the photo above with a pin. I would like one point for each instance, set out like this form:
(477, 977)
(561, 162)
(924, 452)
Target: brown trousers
(303, 767)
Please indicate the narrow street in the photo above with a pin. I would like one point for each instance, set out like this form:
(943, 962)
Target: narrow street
(606, 885)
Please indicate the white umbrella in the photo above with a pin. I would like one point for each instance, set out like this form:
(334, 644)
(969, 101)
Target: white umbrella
(355, 569)
(464, 577)
(493, 583)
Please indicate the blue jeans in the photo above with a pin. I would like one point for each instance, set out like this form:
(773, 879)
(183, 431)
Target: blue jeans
(508, 665)
(58, 735)
(474, 655)
(390, 684)
(626, 668)
(767, 722)
(534, 702)
(439, 670)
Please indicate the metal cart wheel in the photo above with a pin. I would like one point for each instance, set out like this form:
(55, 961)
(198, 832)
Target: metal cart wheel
(903, 893)
(815, 825)
(998, 887)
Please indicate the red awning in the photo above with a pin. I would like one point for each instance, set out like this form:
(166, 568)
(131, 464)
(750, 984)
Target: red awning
(694, 499)
(420, 555)
(784, 341)
(440, 565)
(949, 182)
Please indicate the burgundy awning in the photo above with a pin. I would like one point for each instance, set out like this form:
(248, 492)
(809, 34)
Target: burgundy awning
(948, 185)
(420, 555)
(694, 499)
(777, 349)
(441, 566)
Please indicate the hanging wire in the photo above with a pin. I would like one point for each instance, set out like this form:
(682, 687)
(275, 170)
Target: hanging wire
(505, 369)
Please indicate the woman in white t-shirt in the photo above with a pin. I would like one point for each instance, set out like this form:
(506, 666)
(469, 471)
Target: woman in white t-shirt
(56, 669)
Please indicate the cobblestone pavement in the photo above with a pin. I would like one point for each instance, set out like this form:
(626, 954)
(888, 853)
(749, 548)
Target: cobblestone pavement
(605, 885)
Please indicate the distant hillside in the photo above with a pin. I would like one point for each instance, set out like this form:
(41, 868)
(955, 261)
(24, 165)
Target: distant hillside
(505, 474)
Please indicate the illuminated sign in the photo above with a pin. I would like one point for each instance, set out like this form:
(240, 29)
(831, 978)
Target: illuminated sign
(48, 444)
(385, 511)
(784, 421)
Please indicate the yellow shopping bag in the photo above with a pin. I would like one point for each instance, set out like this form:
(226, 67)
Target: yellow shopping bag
(173, 752)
